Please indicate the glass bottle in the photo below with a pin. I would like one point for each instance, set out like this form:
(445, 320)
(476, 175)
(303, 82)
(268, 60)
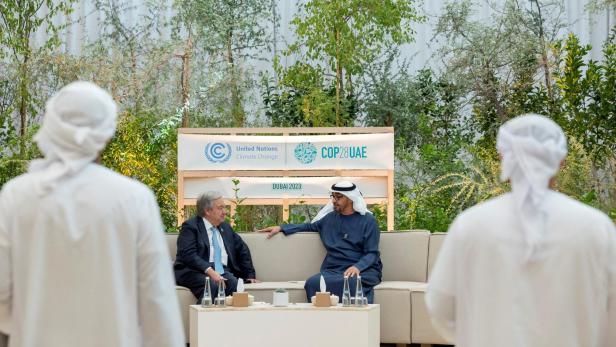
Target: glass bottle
(346, 293)
(207, 293)
(359, 293)
(220, 300)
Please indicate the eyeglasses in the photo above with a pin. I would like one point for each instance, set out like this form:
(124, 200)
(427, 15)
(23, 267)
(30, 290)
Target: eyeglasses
(336, 197)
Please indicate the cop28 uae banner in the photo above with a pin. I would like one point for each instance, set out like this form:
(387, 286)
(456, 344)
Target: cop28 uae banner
(231, 152)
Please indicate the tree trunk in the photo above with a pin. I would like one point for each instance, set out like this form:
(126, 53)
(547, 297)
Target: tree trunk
(493, 94)
(339, 77)
(24, 96)
(237, 111)
(544, 55)
(185, 84)
(134, 79)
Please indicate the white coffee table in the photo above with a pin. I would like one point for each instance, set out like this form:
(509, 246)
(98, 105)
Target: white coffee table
(295, 325)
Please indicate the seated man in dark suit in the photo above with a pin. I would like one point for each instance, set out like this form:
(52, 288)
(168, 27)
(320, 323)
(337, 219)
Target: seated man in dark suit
(208, 246)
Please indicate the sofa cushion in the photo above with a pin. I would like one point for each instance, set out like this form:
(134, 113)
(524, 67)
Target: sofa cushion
(405, 286)
(404, 255)
(285, 258)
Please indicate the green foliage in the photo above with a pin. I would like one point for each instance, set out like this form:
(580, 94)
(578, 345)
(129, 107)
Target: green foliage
(16, 151)
(596, 6)
(128, 59)
(588, 91)
(223, 25)
(246, 218)
(576, 176)
(347, 73)
(303, 97)
(236, 218)
(228, 32)
(297, 219)
(503, 68)
(424, 110)
(499, 64)
(19, 20)
(348, 33)
(145, 149)
(312, 107)
(283, 106)
(432, 203)
(380, 214)
(302, 213)
(342, 36)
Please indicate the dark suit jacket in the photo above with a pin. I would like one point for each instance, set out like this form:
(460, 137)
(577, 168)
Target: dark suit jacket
(194, 250)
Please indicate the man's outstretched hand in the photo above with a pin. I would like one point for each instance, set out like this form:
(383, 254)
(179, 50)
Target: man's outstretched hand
(271, 231)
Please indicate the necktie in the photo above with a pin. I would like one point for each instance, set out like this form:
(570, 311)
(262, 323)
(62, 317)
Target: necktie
(217, 252)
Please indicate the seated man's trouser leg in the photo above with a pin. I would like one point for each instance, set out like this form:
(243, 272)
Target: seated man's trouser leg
(195, 281)
(334, 281)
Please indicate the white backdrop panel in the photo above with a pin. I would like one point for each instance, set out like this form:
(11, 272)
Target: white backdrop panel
(228, 152)
(282, 187)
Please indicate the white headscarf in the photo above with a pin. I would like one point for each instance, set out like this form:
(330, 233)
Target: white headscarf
(79, 121)
(349, 190)
(532, 148)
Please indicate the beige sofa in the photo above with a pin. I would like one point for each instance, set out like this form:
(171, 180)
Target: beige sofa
(286, 261)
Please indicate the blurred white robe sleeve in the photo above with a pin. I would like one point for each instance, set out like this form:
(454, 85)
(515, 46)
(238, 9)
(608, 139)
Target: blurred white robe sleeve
(611, 320)
(440, 296)
(6, 285)
(161, 321)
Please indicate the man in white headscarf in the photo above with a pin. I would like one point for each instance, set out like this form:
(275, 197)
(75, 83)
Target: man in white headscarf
(532, 267)
(350, 235)
(83, 260)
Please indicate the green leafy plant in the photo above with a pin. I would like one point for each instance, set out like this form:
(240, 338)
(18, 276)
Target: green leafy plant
(346, 34)
(379, 211)
(237, 219)
(145, 149)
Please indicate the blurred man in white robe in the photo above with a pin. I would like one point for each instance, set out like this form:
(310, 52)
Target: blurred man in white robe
(530, 268)
(83, 260)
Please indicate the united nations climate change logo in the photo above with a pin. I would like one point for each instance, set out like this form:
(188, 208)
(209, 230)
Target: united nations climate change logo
(305, 152)
(218, 152)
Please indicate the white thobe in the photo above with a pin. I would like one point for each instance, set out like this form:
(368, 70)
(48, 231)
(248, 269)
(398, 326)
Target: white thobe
(86, 265)
(482, 292)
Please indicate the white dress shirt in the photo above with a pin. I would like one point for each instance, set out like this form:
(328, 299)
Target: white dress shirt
(223, 256)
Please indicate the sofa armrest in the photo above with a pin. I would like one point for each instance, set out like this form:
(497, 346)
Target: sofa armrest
(185, 299)
(422, 330)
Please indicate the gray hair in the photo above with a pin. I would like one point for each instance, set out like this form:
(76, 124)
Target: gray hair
(205, 201)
